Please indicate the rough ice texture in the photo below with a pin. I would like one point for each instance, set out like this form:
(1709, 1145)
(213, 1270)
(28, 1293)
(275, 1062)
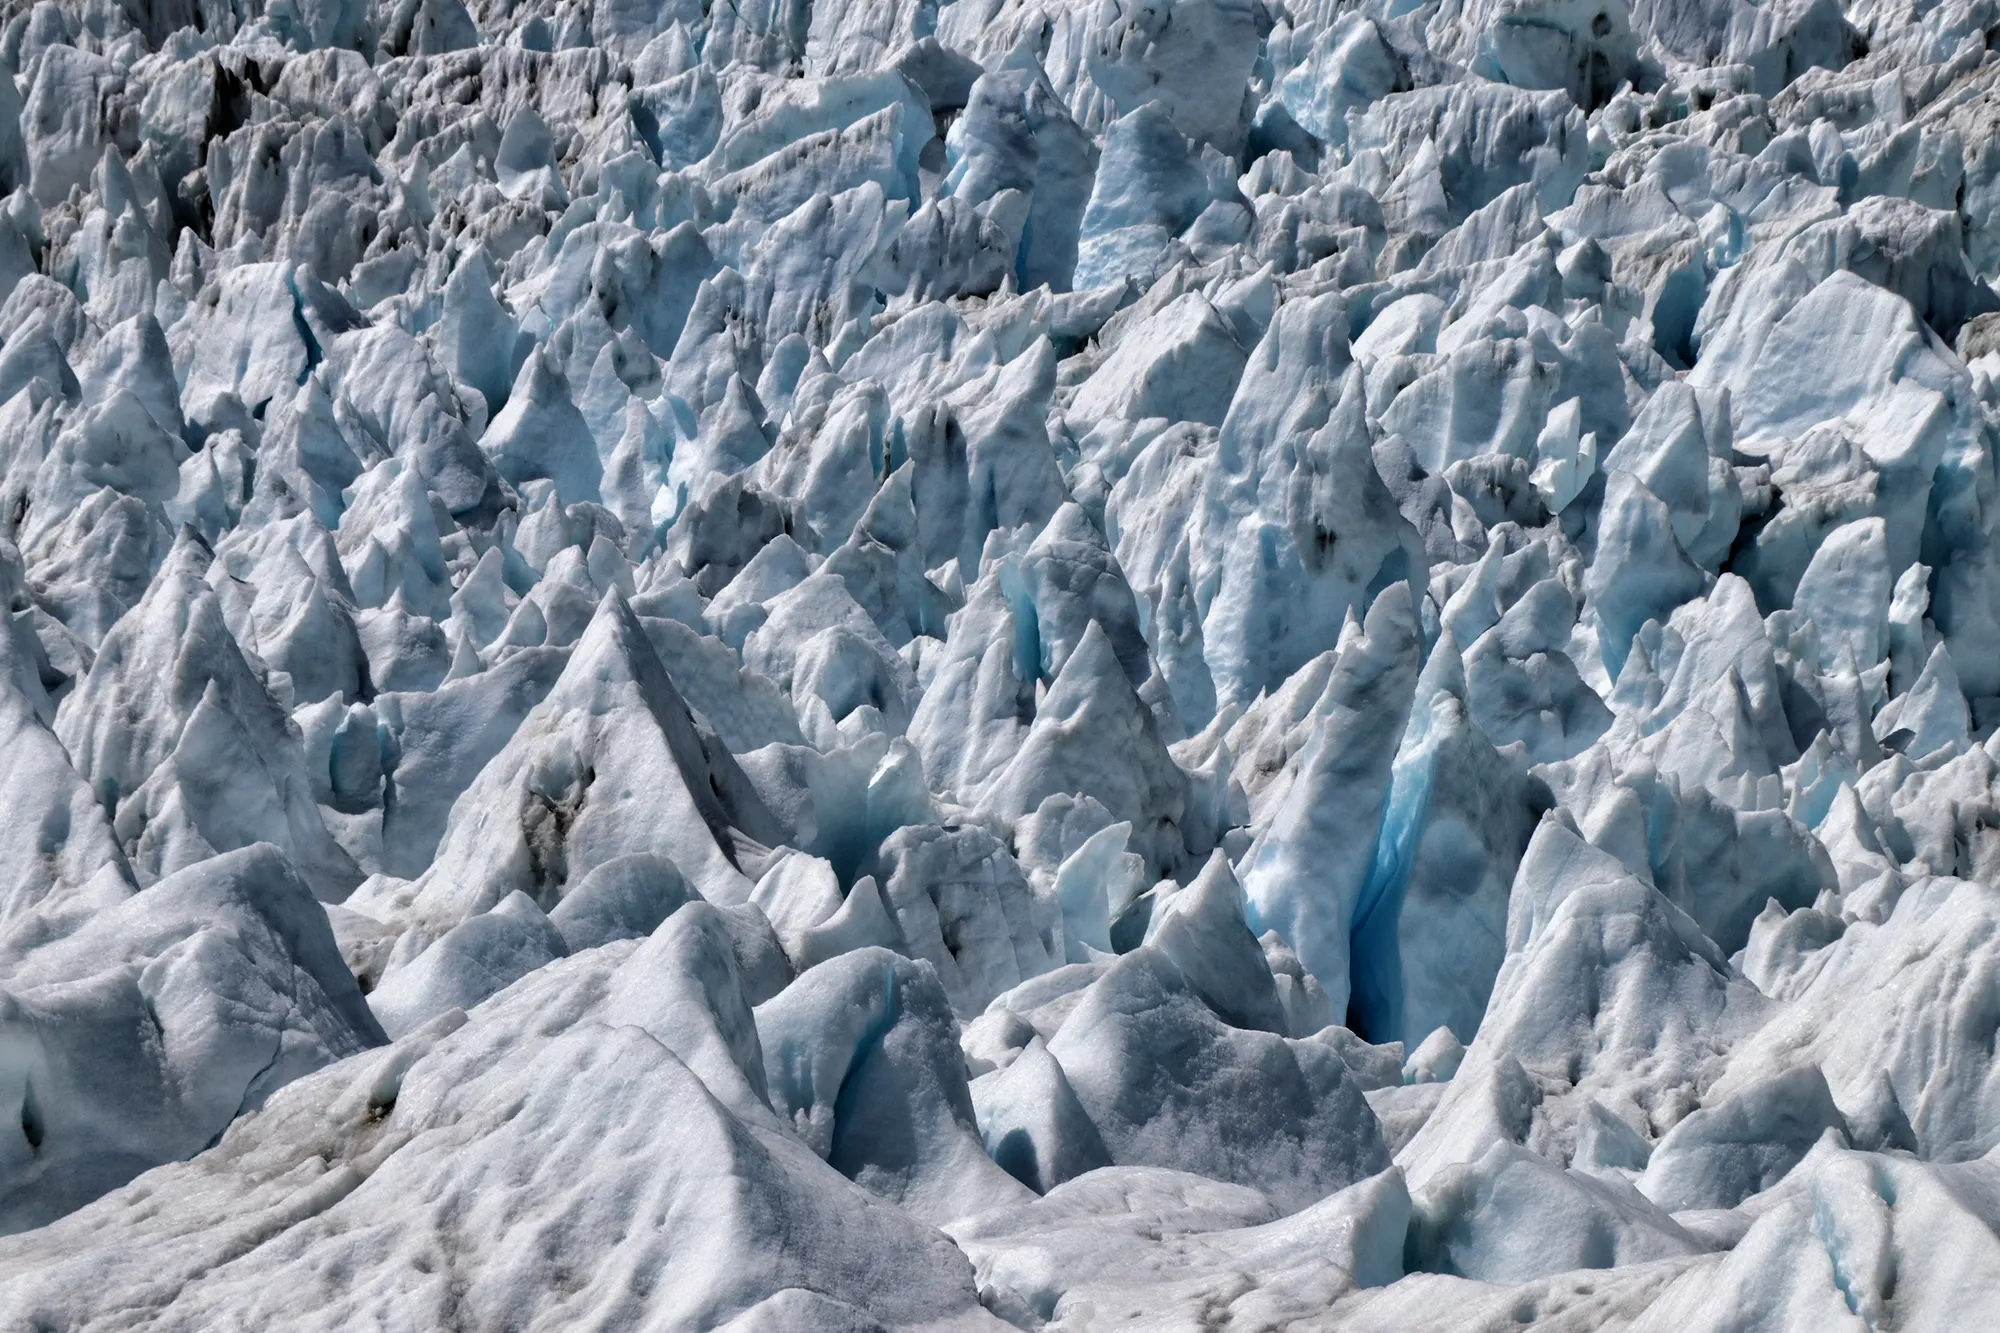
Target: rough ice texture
(938, 664)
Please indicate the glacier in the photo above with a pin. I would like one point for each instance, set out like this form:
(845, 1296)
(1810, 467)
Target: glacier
(878, 665)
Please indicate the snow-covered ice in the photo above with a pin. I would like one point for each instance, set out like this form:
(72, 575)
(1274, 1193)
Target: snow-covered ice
(864, 665)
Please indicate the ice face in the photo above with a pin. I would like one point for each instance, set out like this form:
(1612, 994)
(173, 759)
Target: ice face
(820, 664)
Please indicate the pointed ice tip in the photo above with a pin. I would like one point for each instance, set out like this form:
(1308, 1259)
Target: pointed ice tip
(1025, 53)
(1215, 870)
(615, 647)
(537, 381)
(191, 555)
(1218, 877)
(1070, 523)
(1443, 671)
(1559, 861)
(1093, 657)
(612, 622)
(1393, 614)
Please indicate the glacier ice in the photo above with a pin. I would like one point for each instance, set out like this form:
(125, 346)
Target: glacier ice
(934, 664)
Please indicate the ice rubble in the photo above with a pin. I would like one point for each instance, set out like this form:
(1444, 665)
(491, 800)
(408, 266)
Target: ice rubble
(1212, 663)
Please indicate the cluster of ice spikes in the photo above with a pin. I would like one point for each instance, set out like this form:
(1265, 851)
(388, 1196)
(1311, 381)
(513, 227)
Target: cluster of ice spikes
(926, 664)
